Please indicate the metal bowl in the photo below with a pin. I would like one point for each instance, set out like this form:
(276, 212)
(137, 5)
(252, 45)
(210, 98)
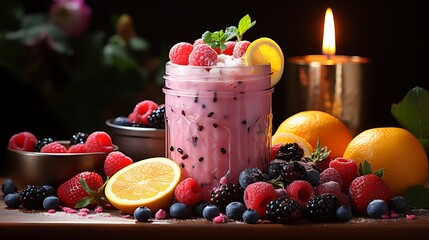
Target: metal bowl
(51, 168)
(136, 142)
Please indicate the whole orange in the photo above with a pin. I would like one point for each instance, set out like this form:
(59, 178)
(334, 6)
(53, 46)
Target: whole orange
(313, 125)
(396, 150)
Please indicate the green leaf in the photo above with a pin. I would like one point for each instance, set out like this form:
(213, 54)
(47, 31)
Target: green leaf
(86, 187)
(417, 196)
(412, 113)
(84, 202)
(244, 25)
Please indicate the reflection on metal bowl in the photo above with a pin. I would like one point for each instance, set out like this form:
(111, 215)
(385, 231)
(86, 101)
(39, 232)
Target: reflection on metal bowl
(136, 142)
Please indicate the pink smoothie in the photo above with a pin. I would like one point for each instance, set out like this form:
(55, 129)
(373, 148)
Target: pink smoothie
(218, 120)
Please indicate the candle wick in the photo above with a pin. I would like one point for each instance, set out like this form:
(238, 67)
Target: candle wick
(329, 56)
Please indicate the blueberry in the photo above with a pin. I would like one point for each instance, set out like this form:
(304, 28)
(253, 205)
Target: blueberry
(197, 210)
(12, 200)
(122, 121)
(179, 210)
(344, 213)
(250, 216)
(251, 175)
(398, 204)
(8, 186)
(210, 212)
(313, 176)
(51, 190)
(235, 210)
(51, 202)
(142, 214)
(376, 208)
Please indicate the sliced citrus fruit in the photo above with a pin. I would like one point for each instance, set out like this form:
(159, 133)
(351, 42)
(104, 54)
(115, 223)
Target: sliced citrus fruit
(266, 51)
(287, 137)
(148, 182)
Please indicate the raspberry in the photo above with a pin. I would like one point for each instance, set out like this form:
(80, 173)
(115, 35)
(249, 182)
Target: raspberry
(203, 55)
(23, 141)
(115, 161)
(240, 48)
(301, 191)
(188, 192)
(99, 141)
(257, 196)
(331, 174)
(229, 48)
(54, 147)
(77, 148)
(142, 111)
(333, 188)
(198, 41)
(347, 169)
(179, 53)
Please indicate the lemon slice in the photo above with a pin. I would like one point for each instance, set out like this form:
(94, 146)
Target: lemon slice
(148, 182)
(266, 51)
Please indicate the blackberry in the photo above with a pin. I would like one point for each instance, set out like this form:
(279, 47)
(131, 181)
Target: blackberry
(292, 171)
(40, 143)
(290, 152)
(156, 118)
(224, 194)
(32, 197)
(79, 137)
(284, 210)
(322, 208)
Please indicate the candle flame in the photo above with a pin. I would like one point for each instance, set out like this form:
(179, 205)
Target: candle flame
(328, 46)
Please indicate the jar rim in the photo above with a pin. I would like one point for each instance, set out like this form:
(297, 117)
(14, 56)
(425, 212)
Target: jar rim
(176, 69)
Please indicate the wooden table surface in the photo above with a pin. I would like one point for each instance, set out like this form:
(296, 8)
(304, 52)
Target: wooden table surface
(112, 224)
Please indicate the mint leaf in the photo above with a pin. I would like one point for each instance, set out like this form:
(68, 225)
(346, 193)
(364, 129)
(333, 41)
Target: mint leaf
(412, 113)
(417, 197)
(218, 39)
(244, 25)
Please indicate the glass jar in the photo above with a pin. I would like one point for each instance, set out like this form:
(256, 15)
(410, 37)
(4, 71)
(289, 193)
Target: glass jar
(218, 121)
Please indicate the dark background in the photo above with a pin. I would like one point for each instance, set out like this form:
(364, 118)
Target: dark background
(392, 34)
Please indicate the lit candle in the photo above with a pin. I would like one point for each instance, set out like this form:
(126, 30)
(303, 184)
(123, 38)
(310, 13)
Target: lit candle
(328, 82)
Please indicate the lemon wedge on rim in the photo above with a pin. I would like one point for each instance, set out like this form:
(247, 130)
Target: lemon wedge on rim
(262, 51)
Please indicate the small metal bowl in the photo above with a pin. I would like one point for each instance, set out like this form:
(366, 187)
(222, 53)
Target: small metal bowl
(51, 168)
(136, 142)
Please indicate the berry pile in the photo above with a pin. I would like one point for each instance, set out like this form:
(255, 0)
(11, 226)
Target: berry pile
(80, 142)
(146, 114)
(293, 189)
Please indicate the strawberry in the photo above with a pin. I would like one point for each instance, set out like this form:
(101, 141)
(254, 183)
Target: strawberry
(115, 161)
(82, 190)
(229, 48)
(320, 156)
(367, 187)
